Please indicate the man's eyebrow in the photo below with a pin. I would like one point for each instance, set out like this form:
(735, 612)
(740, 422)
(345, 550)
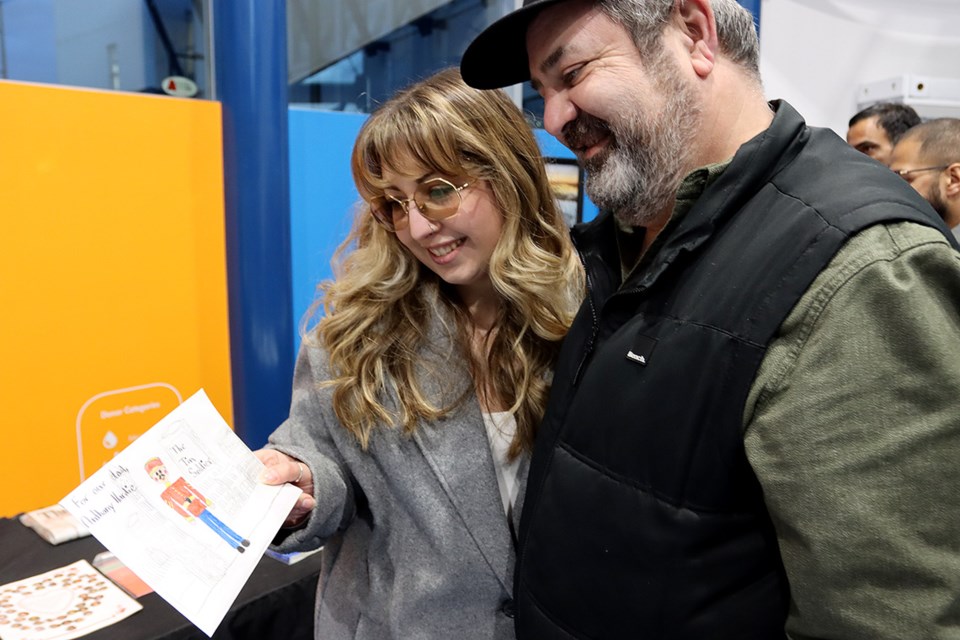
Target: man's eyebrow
(545, 66)
(552, 59)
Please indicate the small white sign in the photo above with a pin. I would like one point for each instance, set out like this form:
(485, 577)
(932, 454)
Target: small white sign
(179, 86)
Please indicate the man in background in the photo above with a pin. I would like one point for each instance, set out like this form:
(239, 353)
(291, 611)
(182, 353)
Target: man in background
(752, 430)
(928, 158)
(875, 130)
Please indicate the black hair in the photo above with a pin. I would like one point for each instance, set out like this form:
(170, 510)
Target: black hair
(893, 117)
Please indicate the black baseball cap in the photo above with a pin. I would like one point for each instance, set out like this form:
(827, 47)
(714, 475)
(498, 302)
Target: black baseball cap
(498, 56)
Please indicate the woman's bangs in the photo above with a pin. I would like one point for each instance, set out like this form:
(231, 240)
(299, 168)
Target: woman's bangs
(404, 140)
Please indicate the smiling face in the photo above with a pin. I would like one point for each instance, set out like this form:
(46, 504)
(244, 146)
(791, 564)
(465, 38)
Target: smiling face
(457, 248)
(629, 121)
(156, 469)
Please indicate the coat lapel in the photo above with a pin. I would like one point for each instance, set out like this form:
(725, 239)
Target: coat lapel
(458, 452)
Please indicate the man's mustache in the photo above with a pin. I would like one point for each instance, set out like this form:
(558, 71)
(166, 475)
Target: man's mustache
(584, 130)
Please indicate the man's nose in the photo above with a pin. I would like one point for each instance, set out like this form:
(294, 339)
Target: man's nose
(558, 110)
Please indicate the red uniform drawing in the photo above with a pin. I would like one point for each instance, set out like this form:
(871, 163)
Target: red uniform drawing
(190, 503)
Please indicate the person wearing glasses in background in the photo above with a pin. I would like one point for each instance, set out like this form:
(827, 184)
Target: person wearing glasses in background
(417, 395)
(928, 157)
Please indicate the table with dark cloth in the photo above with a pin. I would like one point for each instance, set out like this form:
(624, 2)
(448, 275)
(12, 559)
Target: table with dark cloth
(277, 601)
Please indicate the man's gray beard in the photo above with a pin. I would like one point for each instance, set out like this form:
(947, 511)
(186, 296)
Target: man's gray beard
(638, 176)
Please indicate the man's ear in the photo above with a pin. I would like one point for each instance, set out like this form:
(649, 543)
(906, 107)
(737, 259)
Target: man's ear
(695, 19)
(952, 175)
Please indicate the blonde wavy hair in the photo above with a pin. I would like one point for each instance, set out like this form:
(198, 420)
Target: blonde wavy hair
(372, 324)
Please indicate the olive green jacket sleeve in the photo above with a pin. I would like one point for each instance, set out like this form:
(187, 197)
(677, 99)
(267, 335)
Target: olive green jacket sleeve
(853, 429)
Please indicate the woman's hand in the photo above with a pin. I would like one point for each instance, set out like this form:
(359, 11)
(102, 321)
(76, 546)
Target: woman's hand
(281, 468)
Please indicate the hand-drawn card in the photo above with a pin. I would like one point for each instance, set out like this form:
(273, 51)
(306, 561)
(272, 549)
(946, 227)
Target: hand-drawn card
(65, 603)
(182, 508)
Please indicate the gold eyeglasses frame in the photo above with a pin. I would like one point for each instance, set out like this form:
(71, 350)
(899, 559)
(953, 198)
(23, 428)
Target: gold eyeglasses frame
(383, 207)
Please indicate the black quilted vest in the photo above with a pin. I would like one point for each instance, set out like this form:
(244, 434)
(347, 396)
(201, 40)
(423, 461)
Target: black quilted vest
(643, 518)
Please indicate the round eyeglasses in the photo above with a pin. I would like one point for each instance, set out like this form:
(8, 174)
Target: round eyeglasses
(436, 199)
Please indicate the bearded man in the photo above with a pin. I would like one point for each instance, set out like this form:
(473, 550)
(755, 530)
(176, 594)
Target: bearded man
(753, 427)
(928, 158)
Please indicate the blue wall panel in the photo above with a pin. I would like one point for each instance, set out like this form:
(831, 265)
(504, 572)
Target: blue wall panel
(29, 39)
(322, 197)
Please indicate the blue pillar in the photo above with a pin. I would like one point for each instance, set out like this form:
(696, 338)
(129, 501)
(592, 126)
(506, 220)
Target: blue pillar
(250, 47)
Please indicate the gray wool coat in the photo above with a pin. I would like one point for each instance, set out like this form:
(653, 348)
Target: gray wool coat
(416, 542)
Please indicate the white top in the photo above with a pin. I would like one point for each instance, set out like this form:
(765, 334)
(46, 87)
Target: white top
(501, 426)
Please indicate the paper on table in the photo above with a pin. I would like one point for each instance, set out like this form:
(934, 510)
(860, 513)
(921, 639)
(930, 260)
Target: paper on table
(54, 524)
(61, 604)
(182, 508)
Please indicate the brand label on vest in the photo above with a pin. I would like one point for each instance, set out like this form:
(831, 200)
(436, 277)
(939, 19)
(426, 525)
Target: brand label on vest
(642, 349)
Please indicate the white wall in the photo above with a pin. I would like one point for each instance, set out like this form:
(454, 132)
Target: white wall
(815, 53)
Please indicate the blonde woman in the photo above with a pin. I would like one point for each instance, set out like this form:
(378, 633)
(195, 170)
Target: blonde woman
(417, 396)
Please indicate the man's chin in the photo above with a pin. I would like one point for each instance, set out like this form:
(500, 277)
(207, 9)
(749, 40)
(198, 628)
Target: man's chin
(629, 205)
(611, 182)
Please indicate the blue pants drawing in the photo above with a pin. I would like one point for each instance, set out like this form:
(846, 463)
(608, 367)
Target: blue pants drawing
(223, 530)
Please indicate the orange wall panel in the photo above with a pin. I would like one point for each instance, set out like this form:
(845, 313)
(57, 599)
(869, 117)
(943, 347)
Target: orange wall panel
(113, 293)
